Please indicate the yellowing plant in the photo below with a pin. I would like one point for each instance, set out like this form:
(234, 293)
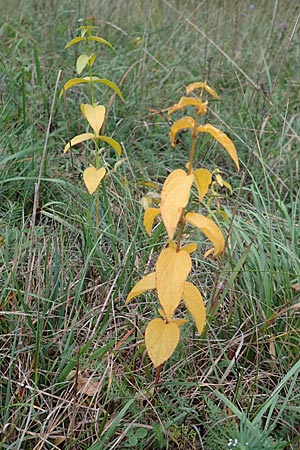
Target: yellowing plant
(94, 113)
(174, 263)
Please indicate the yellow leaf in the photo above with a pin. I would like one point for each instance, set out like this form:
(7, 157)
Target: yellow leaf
(145, 284)
(210, 229)
(174, 197)
(190, 248)
(92, 178)
(222, 182)
(223, 140)
(78, 139)
(202, 179)
(81, 63)
(149, 184)
(149, 217)
(194, 302)
(179, 322)
(95, 116)
(182, 124)
(114, 144)
(161, 340)
(200, 106)
(172, 269)
(198, 85)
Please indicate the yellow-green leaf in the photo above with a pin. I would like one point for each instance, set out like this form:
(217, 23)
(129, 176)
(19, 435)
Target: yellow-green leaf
(95, 116)
(74, 41)
(161, 340)
(194, 302)
(92, 178)
(172, 269)
(199, 85)
(78, 139)
(200, 106)
(210, 229)
(108, 83)
(81, 63)
(202, 179)
(149, 217)
(223, 139)
(114, 144)
(92, 60)
(181, 124)
(100, 40)
(73, 82)
(175, 196)
(145, 284)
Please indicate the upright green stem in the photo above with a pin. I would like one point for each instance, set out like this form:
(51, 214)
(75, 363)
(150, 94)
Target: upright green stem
(97, 206)
(190, 169)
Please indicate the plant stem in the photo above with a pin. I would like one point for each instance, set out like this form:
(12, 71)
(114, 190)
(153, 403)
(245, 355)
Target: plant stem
(190, 169)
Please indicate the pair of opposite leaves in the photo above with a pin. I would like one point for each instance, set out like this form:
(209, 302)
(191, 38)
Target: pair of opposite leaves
(95, 115)
(169, 280)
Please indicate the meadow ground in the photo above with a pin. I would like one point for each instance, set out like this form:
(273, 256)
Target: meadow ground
(74, 373)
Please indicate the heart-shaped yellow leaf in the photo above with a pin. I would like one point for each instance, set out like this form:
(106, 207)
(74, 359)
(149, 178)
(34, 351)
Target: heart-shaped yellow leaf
(145, 284)
(172, 269)
(161, 340)
(181, 124)
(194, 302)
(92, 178)
(95, 116)
(174, 197)
(210, 229)
(223, 139)
(202, 180)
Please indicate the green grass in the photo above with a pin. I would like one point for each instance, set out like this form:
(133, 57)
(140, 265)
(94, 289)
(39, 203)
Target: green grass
(63, 284)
